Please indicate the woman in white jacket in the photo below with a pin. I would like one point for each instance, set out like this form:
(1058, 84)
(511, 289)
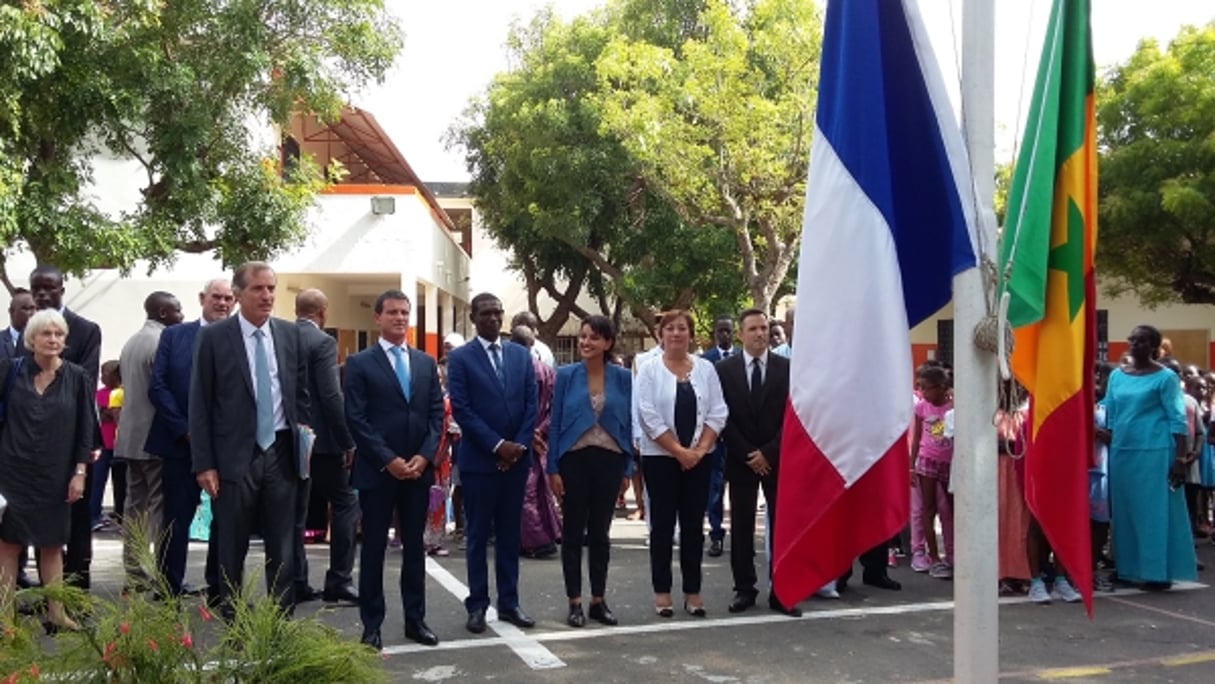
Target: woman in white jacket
(681, 412)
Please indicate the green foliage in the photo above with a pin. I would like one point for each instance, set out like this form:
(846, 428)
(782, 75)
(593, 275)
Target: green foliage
(180, 88)
(138, 638)
(721, 124)
(1156, 115)
(565, 198)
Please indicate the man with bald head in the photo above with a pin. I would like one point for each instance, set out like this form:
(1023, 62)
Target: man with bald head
(331, 456)
(145, 497)
(169, 436)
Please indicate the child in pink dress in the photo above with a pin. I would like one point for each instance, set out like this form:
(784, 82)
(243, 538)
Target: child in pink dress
(932, 455)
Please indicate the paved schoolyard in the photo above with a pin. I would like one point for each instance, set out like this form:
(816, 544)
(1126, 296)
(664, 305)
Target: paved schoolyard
(868, 636)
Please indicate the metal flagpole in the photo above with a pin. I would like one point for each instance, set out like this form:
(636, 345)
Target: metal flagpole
(976, 607)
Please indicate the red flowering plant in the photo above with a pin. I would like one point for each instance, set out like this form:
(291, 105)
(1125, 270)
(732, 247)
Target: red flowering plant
(157, 638)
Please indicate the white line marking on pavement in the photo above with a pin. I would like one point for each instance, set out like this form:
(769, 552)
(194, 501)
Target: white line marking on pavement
(679, 626)
(533, 653)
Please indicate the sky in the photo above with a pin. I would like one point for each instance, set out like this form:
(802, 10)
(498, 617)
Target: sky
(454, 48)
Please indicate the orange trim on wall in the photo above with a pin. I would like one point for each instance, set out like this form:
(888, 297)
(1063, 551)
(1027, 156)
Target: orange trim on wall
(1117, 349)
(1211, 357)
(919, 354)
(369, 189)
(432, 345)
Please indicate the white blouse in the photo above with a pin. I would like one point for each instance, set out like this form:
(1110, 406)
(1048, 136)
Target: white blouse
(654, 393)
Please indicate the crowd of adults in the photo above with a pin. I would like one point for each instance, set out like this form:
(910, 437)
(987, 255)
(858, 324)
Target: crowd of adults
(256, 412)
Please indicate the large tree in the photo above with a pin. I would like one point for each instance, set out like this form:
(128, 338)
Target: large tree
(188, 90)
(1156, 115)
(565, 198)
(720, 124)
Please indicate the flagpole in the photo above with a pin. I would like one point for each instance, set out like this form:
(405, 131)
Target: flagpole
(976, 657)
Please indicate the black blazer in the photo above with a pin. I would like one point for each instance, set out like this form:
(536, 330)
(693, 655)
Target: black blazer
(9, 349)
(223, 408)
(751, 427)
(384, 425)
(324, 390)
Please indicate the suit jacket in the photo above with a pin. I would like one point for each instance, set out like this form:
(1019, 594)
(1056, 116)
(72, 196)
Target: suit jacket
(573, 414)
(9, 349)
(752, 427)
(135, 364)
(383, 423)
(324, 390)
(223, 408)
(82, 346)
(488, 411)
(713, 354)
(169, 392)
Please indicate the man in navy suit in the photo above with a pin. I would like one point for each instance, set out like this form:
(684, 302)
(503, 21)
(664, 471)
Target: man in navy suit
(492, 385)
(394, 409)
(20, 308)
(169, 437)
(723, 348)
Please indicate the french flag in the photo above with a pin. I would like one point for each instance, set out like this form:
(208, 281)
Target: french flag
(888, 223)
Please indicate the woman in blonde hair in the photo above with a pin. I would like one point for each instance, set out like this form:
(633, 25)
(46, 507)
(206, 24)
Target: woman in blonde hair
(681, 411)
(45, 447)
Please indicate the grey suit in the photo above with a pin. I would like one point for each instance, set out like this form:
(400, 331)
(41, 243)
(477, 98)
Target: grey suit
(256, 486)
(145, 495)
(330, 479)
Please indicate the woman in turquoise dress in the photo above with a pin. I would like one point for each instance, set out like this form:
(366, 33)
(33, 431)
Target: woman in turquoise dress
(1146, 434)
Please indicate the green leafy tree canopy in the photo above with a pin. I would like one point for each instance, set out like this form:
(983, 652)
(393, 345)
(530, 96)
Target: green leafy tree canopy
(1156, 136)
(183, 89)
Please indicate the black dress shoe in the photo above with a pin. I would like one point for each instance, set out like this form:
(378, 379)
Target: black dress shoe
(373, 640)
(517, 617)
(882, 581)
(576, 618)
(305, 593)
(775, 604)
(420, 633)
(742, 601)
(716, 548)
(476, 621)
(342, 594)
(600, 613)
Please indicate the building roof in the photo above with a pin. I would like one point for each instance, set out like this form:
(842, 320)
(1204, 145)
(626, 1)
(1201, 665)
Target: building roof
(371, 148)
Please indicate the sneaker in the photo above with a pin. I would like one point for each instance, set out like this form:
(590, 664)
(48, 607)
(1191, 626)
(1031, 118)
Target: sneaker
(1102, 583)
(1038, 593)
(1064, 591)
(827, 593)
(892, 558)
(920, 562)
(941, 570)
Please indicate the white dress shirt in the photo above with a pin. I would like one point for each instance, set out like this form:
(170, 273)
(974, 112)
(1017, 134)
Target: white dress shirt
(392, 358)
(763, 366)
(276, 386)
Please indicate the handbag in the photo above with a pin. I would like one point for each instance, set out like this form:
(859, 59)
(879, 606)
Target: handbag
(13, 367)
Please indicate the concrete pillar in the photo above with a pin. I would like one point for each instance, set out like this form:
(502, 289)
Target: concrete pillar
(431, 326)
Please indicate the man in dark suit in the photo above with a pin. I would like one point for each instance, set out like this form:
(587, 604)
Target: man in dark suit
(492, 385)
(755, 385)
(248, 396)
(331, 456)
(169, 437)
(394, 406)
(20, 308)
(83, 348)
(723, 348)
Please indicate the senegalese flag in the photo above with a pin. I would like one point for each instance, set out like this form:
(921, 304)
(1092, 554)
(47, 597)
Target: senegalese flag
(1047, 250)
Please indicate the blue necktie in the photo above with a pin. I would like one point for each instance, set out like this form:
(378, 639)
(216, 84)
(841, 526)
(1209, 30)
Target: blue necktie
(265, 398)
(402, 371)
(497, 359)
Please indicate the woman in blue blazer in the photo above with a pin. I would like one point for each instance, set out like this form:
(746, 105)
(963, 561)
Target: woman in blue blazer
(590, 460)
